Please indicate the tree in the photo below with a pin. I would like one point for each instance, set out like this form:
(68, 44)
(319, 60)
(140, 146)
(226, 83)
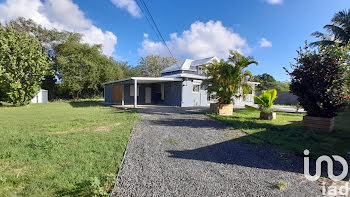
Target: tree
(152, 65)
(268, 82)
(318, 79)
(24, 65)
(49, 39)
(339, 30)
(83, 68)
(226, 78)
(130, 71)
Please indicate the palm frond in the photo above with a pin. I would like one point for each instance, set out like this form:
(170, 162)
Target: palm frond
(342, 18)
(338, 33)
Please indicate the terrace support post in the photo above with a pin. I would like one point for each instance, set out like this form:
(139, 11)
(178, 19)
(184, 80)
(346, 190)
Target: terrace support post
(122, 95)
(135, 93)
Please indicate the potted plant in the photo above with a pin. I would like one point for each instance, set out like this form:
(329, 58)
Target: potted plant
(318, 79)
(265, 103)
(225, 78)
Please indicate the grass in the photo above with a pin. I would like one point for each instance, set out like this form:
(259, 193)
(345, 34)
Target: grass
(282, 185)
(287, 133)
(61, 148)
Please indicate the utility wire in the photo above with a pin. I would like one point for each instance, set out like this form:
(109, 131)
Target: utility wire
(147, 17)
(155, 25)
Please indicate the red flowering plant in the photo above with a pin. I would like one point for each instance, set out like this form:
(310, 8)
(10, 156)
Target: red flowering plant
(319, 79)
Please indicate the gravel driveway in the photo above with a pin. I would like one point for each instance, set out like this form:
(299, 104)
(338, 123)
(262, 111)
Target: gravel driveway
(181, 152)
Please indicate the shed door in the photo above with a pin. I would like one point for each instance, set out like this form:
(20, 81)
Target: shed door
(148, 95)
(117, 93)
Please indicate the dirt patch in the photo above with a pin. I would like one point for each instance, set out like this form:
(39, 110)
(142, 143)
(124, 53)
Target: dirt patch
(103, 129)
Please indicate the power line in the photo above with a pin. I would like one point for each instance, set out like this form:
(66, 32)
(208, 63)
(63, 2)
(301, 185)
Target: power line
(147, 17)
(155, 24)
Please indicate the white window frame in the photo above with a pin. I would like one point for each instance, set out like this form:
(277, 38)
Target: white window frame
(200, 70)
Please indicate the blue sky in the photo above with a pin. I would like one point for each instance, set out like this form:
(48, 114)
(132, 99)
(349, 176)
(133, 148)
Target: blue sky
(203, 28)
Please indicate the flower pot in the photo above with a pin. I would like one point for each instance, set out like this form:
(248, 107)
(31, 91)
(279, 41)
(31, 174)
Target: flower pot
(214, 107)
(226, 109)
(268, 116)
(318, 123)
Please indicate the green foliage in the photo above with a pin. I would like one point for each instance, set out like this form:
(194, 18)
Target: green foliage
(318, 79)
(282, 185)
(23, 66)
(264, 101)
(48, 38)
(338, 29)
(130, 71)
(83, 68)
(152, 65)
(269, 82)
(226, 78)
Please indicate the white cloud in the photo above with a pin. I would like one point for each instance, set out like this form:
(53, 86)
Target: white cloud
(274, 1)
(129, 5)
(264, 43)
(200, 41)
(62, 14)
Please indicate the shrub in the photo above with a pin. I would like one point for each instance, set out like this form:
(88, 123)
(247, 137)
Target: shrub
(318, 79)
(23, 65)
(264, 101)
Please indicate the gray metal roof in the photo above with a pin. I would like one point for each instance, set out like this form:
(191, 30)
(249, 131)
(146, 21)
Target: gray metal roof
(189, 64)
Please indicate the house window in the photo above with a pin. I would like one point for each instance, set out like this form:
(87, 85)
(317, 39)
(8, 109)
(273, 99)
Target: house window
(200, 70)
(132, 91)
(196, 88)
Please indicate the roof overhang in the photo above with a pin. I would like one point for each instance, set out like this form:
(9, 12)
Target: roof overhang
(144, 80)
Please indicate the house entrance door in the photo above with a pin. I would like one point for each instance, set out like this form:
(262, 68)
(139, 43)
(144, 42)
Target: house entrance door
(148, 95)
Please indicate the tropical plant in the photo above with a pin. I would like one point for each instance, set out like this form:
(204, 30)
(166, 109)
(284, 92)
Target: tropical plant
(318, 79)
(264, 101)
(23, 66)
(339, 30)
(226, 78)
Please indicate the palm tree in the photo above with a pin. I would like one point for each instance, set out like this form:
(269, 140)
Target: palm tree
(339, 30)
(226, 78)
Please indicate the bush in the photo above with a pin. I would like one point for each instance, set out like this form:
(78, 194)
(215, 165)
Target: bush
(264, 101)
(23, 65)
(318, 79)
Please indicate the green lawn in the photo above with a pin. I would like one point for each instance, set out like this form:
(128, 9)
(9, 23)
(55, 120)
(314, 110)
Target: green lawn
(287, 133)
(61, 148)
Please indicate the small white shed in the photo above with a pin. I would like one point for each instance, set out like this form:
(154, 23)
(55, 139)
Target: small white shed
(41, 97)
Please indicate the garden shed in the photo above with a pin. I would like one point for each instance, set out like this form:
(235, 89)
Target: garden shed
(41, 97)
